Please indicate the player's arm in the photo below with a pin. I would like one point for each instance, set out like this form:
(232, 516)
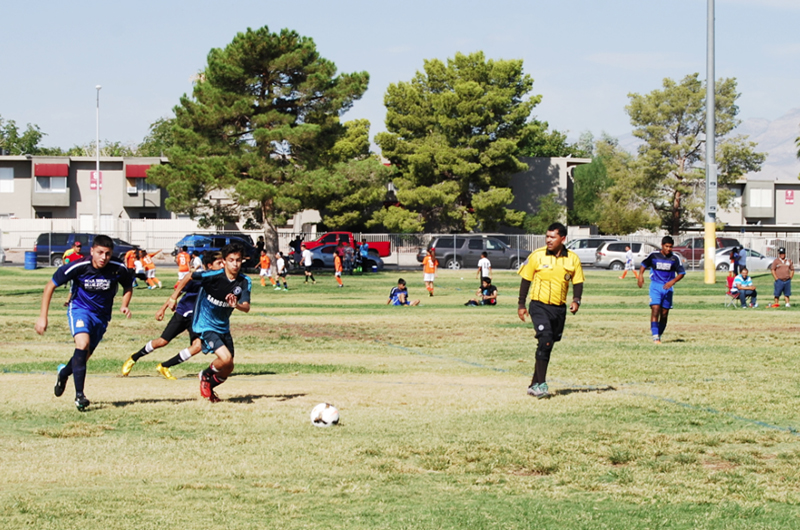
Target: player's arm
(173, 299)
(126, 300)
(524, 287)
(644, 266)
(243, 303)
(47, 295)
(577, 294)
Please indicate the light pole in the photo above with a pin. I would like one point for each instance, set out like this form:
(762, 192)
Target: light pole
(711, 165)
(97, 159)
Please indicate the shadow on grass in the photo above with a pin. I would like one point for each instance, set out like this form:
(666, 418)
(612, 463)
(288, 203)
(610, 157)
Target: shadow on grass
(251, 398)
(568, 391)
(248, 398)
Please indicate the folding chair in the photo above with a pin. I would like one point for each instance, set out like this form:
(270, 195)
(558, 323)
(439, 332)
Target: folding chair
(731, 295)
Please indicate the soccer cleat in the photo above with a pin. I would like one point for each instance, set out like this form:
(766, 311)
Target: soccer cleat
(533, 390)
(278, 288)
(128, 366)
(214, 398)
(774, 305)
(788, 304)
(81, 402)
(159, 284)
(656, 339)
(164, 370)
(543, 391)
(61, 382)
(205, 387)
(430, 292)
(285, 288)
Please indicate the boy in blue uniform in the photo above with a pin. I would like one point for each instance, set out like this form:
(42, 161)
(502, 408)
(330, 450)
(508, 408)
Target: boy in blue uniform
(95, 282)
(399, 295)
(665, 271)
(221, 292)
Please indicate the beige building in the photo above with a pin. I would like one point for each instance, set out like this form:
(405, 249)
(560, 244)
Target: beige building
(764, 201)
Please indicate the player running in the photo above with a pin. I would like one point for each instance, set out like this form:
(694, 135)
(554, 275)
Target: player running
(95, 282)
(184, 260)
(221, 292)
(429, 264)
(265, 271)
(337, 265)
(665, 271)
(280, 267)
(181, 321)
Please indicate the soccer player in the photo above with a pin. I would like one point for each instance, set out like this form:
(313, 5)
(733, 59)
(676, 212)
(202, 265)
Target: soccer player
(486, 295)
(183, 259)
(399, 295)
(429, 265)
(130, 264)
(265, 271)
(337, 265)
(307, 261)
(150, 269)
(546, 275)
(484, 266)
(629, 263)
(221, 292)
(197, 261)
(95, 284)
(665, 271)
(280, 266)
(181, 321)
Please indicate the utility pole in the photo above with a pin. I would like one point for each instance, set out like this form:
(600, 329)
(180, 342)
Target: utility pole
(97, 160)
(711, 165)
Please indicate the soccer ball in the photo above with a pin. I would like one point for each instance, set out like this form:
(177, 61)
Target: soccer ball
(324, 415)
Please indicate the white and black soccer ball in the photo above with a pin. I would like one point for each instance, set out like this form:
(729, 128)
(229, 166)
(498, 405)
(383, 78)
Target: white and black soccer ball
(324, 415)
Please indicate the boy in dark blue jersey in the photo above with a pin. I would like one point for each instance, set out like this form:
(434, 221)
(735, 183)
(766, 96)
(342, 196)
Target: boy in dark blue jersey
(95, 280)
(665, 271)
(221, 292)
(181, 321)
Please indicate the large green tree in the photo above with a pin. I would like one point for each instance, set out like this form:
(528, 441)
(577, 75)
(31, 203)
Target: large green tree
(27, 142)
(263, 116)
(671, 124)
(453, 133)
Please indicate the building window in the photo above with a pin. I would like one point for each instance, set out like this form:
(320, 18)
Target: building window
(760, 198)
(140, 185)
(6, 180)
(44, 215)
(51, 184)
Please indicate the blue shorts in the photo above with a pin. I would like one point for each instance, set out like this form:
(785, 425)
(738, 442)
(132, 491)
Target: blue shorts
(211, 341)
(659, 296)
(83, 321)
(783, 287)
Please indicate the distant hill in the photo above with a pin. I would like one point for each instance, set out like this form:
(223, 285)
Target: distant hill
(776, 138)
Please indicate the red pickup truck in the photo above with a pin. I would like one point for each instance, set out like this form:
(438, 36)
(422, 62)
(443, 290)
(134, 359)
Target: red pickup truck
(383, 248)
(693, 248)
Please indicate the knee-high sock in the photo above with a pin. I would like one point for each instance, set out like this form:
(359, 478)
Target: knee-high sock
(79, 358)
(655, 328)
(184, 355)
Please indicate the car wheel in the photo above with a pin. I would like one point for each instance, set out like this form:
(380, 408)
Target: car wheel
(56, 261)
(617, 266)
(723, 267)
(453, 264)
(515, 263)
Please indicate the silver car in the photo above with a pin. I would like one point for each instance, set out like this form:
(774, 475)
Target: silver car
(755, 260)
(611, 254)
(586, 247)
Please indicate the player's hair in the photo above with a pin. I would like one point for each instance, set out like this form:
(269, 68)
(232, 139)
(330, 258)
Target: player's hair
(195, 253)
(210, 257)
(103, 241)
(232, 248)
(486, 279)
(184, 248)
(560, 228)
(667, 239)
(484, 254)
(401, 281)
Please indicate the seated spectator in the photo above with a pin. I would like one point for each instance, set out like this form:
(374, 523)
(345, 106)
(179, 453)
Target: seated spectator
(743, 283)
(399, 295)
(486, 295)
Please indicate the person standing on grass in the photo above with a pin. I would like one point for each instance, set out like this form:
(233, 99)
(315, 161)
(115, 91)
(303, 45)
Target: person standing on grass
(280, 267)
(184, 261)
(484, 266)
(266, 269)
(546, 275)
(629, 263)
(72, 255)
(429, 265)
(337, 265)
(95, 285)
(221, 292)
(307, 261)
(665, 271)
(181, 321)
(197, 261)
(782, 271)
(150, 269)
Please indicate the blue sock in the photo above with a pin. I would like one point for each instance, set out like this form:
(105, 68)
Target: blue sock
(654, 328)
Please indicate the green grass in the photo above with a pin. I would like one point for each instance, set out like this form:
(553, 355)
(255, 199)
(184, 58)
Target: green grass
(436, 429)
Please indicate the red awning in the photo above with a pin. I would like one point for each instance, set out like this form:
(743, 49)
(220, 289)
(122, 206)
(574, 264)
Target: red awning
(51, 170)
(136, 171)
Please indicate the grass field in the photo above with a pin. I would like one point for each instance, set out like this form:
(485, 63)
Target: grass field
(436, 429)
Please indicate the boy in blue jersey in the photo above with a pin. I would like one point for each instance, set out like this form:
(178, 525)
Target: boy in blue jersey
(181, 321)
(399, 295)
(221, 292)
(95, 282)
(665, 271)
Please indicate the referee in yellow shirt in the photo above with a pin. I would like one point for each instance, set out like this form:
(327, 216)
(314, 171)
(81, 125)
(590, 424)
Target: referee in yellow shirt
(546, 275)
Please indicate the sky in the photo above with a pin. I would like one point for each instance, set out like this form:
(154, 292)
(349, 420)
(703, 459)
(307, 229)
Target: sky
(585, 56)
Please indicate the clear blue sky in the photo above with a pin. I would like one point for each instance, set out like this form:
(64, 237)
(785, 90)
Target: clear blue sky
(585, 56)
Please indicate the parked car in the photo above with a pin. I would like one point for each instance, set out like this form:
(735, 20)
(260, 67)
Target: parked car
(693, 248)
(213, 242)
(50, 246)
(379, 248)
(755, 260)
(456, 252)
(586, 247)
(322, 258)
(611, 254)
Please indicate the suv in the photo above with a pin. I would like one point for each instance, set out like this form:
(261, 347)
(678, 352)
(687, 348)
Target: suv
(50, 246)
(693, 248)
(456, 252)
(611, 254)
(213, 242)
(586, 247)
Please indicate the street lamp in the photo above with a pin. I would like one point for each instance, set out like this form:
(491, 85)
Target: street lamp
(97, 159)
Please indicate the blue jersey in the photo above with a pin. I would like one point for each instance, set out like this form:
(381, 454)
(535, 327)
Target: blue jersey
(189, 300)
(93, 290)
(663, 268)
(212, 312)
(394, 296)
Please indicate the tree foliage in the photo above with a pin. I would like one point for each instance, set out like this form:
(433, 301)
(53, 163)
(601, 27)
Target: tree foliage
(671, 123)
(539, 142)
(159, 139)
(262, 119)
(549, 210)
(107, 148)
(17, 142)
(453, 133)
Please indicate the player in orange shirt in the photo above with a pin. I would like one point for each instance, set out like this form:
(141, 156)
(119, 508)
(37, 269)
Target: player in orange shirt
(337, 266)
(265, 264)
(150, 269)
(429, 265)
(183, 259)
(130, 264)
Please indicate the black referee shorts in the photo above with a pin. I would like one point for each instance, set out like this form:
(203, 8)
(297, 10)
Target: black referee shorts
(548, 322)
(177, 325)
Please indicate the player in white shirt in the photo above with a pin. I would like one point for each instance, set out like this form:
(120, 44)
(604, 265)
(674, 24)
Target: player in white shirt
(307, 261)
(280, 266)
(629, 263)
(484, 266)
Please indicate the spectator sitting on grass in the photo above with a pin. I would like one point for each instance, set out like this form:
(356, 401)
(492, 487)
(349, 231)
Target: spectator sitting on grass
(486, 295)
(399, 295)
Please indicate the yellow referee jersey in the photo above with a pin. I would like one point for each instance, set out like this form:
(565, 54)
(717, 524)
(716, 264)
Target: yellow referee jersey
(550, 274)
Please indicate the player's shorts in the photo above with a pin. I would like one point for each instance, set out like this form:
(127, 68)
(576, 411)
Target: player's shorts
(82, 321)
(283, 273)
(177, 325)
(396, 301)
(263, 272)
(211, 341)
(629, 266)
(428, 276)
(338, 274)
(548, 317)
(659, 296)
(150, 273)
(307, 269)
(181, 274)
(783, 287)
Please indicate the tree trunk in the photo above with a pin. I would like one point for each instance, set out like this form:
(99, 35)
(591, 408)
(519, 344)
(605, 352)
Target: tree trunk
(676, 214)
(271, 242)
